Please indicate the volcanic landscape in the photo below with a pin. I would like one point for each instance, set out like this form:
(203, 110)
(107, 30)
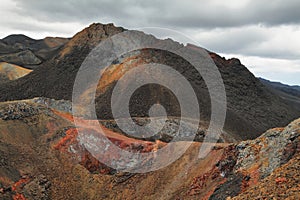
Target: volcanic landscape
(257, 155)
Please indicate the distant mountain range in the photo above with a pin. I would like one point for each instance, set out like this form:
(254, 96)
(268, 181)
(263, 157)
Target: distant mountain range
(27, 52)
(293, 90)
(291, 94)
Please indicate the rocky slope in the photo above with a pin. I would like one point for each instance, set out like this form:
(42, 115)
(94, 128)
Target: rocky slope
(41, 158)
(252, 107)
(283, 183)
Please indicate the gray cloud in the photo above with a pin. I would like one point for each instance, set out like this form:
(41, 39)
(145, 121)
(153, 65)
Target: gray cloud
(256, 40)
(175, 13)
(252, 12)
(227, 23)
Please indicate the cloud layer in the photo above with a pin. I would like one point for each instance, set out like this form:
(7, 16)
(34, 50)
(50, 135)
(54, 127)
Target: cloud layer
(188, 13)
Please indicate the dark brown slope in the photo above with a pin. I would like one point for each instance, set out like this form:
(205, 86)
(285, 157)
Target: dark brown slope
(252, 108)
(250, 99)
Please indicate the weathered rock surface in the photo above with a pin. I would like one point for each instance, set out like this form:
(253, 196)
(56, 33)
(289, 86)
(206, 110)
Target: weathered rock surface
(44, 160)
(18, 111)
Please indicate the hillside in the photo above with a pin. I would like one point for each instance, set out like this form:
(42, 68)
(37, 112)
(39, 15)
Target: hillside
(252, 107)
(42, 159)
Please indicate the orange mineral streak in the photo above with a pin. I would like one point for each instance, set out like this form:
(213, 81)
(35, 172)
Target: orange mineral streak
(209, 177)
(91, 127)
(116, 138)
(19, 197)
(88, 125)
(115, 72)
(280, 180)
(19, 184)
(122, 140)
(253, 172)
(94, 128)
(70, 138)
(67, 116)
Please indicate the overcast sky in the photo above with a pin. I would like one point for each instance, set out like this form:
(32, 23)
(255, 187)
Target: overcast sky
(263, 34)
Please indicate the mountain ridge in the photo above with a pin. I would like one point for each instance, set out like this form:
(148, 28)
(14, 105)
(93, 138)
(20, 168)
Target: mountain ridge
(252, 108)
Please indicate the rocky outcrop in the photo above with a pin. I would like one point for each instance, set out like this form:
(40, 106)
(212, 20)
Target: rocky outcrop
(255, 160)
(271, 150)
(283, 183)
(60, 105)
(18, 111)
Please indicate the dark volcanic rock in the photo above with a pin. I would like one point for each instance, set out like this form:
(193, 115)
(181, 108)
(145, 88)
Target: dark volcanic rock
(252, 108)
(17, 111)
(232, 187)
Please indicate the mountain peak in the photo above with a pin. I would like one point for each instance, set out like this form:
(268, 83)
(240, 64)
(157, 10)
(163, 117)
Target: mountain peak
(91, 36)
